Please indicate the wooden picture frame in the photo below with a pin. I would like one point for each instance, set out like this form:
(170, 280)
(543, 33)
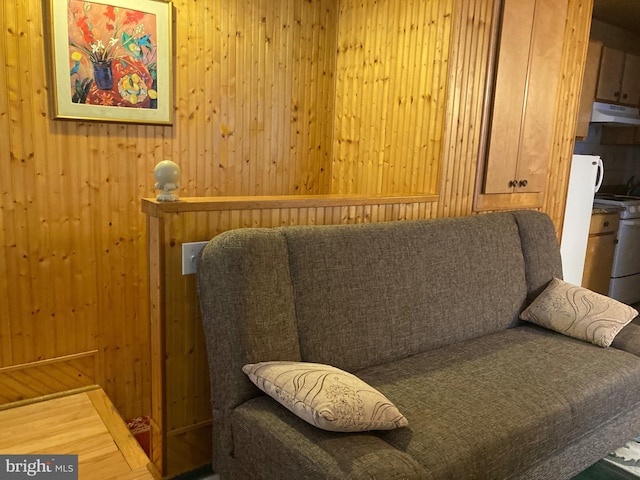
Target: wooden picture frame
(111, 60)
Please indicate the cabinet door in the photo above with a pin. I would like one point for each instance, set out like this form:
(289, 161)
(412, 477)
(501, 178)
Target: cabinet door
(611, 68)
(598, 261)
(532, 34)
(509, 95)
(630, 88)
(542, 84)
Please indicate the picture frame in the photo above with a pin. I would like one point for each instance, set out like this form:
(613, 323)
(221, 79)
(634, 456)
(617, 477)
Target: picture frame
(111, 60)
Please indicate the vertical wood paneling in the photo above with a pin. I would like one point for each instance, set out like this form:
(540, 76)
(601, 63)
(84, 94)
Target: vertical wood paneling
(6, 334)
(269, 99)
(466, 84)
(157, 317)
(73, 237)
(576, 41)
(14, 220)
(391, 72)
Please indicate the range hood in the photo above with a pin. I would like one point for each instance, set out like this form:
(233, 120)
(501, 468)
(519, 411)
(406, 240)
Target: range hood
(614, 114)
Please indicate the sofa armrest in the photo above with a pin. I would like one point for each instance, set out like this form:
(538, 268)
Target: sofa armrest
(271, 442)
(628, 339)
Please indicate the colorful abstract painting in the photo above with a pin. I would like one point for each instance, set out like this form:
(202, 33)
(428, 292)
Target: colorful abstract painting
(116, 59)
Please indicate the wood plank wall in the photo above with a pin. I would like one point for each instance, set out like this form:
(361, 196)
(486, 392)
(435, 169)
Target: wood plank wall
(255, 83)
(255, 86)
(574, 56)
(468, 59)
(391, 74)
(254, 98)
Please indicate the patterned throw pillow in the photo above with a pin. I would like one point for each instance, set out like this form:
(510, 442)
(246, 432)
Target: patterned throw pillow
(579, 313)
(325, 396)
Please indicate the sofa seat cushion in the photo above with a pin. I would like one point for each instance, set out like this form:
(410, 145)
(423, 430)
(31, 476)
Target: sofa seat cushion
(491, 406)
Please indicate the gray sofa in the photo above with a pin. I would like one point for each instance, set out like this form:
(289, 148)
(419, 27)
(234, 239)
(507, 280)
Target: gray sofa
(427, 312)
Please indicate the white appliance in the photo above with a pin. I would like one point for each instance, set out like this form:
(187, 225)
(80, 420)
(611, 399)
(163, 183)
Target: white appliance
(585, 179)
(625, 271)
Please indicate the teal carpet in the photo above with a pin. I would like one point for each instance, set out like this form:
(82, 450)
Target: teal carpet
(623, 464)
(202, 473)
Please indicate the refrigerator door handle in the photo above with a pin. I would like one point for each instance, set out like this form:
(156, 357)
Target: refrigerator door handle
(599, 174)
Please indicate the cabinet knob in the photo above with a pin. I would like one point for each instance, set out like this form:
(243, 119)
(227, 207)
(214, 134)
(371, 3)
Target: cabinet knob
(616, 94)
(523, 183)
(606, 224)
(624, 95)
(513, 183)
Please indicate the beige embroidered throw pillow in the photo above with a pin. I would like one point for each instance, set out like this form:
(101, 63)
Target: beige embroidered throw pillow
(579, 313)
(325, 396)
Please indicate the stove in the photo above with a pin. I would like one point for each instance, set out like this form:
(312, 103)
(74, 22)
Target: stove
(625, 271)
(629, 206)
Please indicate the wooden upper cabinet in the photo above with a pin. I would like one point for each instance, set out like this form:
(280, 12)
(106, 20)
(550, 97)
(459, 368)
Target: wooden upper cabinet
(611, 67)
(539, 108)
(520, 118)
(619, 79)
(630, 87)
(509, 95)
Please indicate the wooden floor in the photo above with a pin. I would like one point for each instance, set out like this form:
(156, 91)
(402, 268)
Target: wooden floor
(86, 424)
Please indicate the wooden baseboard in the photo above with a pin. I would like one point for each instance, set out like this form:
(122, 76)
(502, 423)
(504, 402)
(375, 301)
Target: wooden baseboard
(188, 448)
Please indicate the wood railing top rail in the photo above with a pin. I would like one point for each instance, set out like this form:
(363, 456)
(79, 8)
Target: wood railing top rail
(156, 208)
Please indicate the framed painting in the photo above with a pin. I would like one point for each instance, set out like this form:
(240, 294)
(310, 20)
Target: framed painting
(111, 60)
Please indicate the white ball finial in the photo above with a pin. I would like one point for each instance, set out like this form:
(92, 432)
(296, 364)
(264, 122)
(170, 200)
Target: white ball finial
(167, 175)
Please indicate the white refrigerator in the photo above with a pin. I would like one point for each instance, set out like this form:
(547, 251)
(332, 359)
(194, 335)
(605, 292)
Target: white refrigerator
(585, 179)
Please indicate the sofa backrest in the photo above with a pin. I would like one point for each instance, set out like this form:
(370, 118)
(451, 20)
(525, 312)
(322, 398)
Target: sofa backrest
(354, 296)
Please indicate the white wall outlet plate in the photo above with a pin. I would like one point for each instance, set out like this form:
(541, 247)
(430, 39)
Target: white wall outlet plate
(190, 253)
